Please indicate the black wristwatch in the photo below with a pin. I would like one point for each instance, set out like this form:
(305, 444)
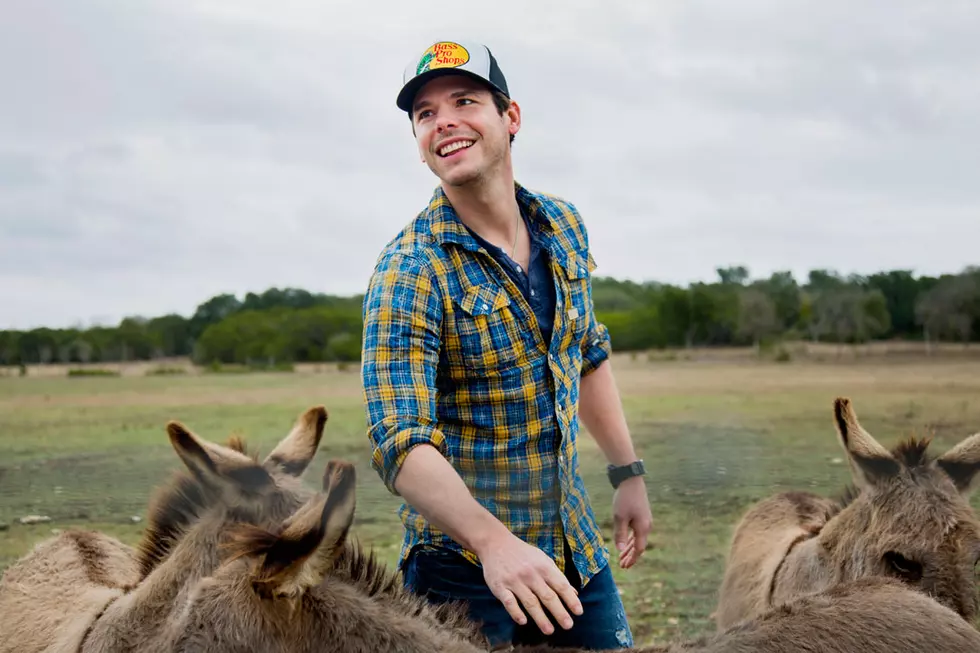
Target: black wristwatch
(618, 474)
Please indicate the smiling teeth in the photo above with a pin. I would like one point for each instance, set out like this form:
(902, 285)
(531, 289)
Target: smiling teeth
(458, 145)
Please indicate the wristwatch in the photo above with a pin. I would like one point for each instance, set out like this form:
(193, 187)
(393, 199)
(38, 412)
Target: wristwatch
(618, 474)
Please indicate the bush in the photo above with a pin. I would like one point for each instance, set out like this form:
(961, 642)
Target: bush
(163, 370)
(91, 372)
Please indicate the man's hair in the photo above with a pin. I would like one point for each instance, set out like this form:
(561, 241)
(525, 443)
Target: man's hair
(501, 101)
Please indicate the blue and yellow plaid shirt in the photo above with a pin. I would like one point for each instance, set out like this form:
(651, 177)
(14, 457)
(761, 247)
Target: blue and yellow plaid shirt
(452, 357)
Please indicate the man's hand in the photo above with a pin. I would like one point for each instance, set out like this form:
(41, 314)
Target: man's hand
(633, 521)
(521, 574)
(516, 572)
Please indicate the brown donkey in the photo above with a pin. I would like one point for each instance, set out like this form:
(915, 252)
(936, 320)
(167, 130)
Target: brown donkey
(907, 517)
(276, 591)
(50, 598)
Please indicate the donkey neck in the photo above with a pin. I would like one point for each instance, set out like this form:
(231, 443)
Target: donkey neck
(132, 619)
(803, 570)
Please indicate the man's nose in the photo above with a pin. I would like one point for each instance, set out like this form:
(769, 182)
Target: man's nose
(445, 120)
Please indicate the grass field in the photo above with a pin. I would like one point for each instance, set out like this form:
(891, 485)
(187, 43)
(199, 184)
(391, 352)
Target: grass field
(716, 435)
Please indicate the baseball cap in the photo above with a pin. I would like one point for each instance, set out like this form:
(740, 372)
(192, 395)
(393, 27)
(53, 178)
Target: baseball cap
(450, 57)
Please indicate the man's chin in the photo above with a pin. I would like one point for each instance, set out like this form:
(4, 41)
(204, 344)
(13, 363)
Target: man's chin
(458, 178)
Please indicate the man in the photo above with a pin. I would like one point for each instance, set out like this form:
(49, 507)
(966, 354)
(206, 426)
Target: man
(480, 348)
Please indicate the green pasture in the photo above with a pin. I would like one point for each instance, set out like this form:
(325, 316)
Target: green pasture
(716, 436)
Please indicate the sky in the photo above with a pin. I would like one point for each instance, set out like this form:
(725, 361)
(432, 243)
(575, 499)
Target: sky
(154, 154)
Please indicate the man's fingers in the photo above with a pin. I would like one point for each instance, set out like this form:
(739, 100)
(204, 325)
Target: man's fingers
(626, 558)
(511, 605)
(641, 541)
(559, 583)
(629, 553)
(620, 532)
(630, 541)
(533, 607)
(553, 603)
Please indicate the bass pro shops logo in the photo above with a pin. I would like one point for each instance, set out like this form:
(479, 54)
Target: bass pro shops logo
(445, 54)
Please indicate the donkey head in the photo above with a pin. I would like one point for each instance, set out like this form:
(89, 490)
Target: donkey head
(910, 516)
(290, 560)
(277, 589)
(226, 479)
(260, 597)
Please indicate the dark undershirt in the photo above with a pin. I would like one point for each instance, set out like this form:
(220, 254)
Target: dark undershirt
(536, 285)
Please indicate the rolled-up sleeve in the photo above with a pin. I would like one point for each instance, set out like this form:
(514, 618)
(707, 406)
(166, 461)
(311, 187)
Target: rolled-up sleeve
(596, 345)
(399, 354)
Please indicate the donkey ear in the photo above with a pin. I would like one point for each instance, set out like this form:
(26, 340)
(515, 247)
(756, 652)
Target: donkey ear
(869, 461)
(962, 463)
(310, 541)
(294, 453)
(215, 464)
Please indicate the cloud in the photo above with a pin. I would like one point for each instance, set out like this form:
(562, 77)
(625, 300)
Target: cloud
(153, 154)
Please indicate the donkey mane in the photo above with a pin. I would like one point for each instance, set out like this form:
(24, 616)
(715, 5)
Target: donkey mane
(377, 579)
(848, 496)
(173, 508)
(912, 453)
(366, 570)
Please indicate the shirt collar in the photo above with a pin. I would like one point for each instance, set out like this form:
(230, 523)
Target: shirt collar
(446, 227)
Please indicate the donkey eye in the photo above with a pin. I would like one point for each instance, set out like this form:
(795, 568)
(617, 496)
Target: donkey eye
(907, 569)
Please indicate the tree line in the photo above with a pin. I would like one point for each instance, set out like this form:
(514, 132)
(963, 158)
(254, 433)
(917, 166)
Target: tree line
(825, 307)
(294, 325)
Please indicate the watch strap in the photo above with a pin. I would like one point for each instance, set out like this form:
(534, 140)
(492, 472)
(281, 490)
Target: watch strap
(619, 473)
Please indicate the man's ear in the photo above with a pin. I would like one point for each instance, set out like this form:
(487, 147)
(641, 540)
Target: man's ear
(514, 111)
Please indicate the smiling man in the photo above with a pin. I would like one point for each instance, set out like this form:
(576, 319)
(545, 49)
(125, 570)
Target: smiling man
(480, 352)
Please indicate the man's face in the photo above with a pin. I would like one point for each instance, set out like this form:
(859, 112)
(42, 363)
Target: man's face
(461, 135)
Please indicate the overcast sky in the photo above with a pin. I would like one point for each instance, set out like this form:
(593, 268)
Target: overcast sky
(153, 155)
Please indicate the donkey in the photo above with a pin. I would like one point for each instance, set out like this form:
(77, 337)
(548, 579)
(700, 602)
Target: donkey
(274, 591)
(50, 598)
(907, 516)
(188, 498)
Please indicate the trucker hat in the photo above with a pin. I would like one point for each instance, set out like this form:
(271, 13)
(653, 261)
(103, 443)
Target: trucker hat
(450, 57)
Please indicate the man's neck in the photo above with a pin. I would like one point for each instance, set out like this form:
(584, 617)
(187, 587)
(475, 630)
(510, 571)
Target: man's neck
(490, 209)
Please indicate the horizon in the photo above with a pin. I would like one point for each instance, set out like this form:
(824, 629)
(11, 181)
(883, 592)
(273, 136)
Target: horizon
(801, 280)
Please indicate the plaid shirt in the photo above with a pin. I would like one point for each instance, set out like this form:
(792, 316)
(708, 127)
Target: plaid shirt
(452, 357)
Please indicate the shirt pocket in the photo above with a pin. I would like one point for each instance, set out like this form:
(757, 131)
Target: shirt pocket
(574, 306)
(487, 333)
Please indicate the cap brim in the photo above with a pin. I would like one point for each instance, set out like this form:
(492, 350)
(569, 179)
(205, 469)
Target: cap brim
(407, 95)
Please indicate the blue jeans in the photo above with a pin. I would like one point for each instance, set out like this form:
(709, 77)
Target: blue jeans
(442, 575)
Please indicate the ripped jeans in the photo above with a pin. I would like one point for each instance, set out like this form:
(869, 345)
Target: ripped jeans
(441, 574)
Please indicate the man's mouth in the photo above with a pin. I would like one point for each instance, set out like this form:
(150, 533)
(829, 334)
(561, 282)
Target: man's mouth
(455, 146)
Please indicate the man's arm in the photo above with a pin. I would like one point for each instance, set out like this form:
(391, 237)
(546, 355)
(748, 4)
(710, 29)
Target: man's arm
(600, 406)
(400, 353)
(601, 411)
